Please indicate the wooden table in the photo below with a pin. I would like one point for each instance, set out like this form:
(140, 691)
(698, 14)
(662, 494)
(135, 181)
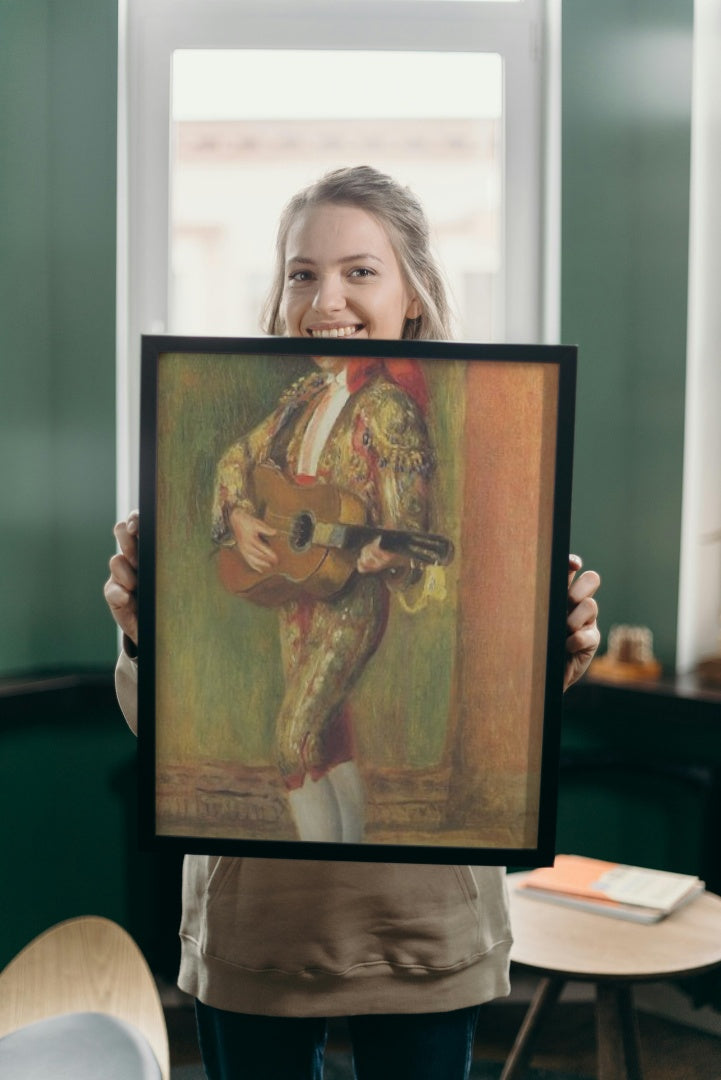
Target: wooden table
(563, 944)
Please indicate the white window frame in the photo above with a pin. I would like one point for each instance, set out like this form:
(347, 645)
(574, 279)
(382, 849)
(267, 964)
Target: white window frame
(699, 598)
(526, 34)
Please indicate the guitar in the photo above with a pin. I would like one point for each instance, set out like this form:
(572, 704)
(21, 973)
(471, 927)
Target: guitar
(320, 530)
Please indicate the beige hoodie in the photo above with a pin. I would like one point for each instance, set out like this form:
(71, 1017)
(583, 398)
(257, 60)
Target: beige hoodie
(299, 938)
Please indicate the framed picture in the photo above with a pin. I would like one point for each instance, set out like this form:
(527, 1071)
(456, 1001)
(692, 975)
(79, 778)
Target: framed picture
(352, 597)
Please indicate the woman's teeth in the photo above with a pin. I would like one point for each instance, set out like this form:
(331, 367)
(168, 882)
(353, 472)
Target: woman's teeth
(337, 331)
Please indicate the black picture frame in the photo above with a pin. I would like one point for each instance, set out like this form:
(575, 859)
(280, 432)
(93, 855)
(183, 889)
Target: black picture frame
(457, 743)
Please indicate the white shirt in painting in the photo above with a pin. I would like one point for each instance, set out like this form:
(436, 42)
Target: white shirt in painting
(321, 423)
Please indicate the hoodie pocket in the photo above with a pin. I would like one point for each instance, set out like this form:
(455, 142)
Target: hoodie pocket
(204, 876)
(468, 884)
(329, 917)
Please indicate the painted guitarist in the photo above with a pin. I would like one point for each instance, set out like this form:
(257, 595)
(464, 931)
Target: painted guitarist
(358, 425)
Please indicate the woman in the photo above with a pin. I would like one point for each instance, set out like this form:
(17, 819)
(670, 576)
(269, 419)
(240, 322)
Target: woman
(270, 949)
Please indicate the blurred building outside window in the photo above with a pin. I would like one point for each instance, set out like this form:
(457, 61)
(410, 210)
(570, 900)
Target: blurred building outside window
(236, 161)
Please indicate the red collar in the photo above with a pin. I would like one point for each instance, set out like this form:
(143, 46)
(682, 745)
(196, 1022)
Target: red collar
(404, 371)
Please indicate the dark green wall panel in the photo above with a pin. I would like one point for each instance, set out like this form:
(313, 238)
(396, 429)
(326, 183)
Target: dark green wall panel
(25, 400)
(69, 802)
(626, 144)
(58, 77)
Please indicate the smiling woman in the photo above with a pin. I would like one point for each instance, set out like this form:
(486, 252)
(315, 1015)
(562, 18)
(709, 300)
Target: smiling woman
(331, 292)
(353, 258)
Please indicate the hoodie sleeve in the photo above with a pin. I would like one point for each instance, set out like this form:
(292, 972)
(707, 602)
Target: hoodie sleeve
(126, 688)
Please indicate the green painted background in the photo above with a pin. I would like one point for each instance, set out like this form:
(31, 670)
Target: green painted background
(626, 130)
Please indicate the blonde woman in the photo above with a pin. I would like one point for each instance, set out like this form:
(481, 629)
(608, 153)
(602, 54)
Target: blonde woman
(271, 948)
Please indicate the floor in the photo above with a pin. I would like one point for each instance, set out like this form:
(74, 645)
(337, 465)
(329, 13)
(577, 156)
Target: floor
(670, 1051)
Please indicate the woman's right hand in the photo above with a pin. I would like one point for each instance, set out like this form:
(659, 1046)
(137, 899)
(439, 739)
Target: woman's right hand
(121, 587)
(251, 537)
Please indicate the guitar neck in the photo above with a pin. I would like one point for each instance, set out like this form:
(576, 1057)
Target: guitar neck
(425, 547)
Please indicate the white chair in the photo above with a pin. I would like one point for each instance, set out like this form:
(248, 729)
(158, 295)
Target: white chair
(80, 1002)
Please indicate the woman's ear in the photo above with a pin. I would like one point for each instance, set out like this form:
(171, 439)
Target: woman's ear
(415, 309)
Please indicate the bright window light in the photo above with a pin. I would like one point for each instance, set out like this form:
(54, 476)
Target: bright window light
(221, 84)
(434, 121)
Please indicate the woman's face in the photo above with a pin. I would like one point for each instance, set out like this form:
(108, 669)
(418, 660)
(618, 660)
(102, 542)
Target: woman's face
(342, 278)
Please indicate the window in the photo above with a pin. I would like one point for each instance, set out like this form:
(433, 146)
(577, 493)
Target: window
(449, 95)
(235, 161)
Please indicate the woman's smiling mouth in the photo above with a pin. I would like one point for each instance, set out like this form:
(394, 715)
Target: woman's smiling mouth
(334, 331)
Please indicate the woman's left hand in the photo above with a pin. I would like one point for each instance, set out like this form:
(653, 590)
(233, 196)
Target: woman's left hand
(582, 633)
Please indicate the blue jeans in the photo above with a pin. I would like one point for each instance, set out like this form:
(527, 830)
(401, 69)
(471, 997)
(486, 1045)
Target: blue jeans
(414, 1046)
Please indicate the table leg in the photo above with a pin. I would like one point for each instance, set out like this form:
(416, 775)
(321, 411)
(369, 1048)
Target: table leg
(617, 1033)
(545, 997)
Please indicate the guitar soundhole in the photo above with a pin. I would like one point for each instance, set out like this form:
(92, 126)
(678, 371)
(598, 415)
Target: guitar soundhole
(301, 531)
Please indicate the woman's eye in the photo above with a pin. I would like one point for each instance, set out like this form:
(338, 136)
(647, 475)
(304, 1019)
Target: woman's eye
(362, 272)
(300, 276)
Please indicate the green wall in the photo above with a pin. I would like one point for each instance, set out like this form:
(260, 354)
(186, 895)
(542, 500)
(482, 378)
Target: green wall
(626, 132)
(58, 65)
(67, 771)
(626, 105)
(626, 144)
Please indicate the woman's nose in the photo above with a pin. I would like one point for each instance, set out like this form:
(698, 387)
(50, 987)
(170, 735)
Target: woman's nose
(329, 296)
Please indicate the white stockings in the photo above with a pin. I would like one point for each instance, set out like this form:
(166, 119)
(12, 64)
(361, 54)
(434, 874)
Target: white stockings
(330, 809)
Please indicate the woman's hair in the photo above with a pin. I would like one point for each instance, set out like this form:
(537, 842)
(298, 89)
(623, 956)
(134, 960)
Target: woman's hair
(403, 217)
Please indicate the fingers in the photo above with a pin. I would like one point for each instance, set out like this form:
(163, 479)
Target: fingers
(123, 573)
(575, 562)
(255, 549)
(581, 648)
(583, 587)
(121, 602)
(582, 613)
(582, 607)
(121, 587)
(582, 633)
(252, 536)
(373, 558)
(584, 641)
(590, 579)
(126, 534)
(123, 607)
(260, 558)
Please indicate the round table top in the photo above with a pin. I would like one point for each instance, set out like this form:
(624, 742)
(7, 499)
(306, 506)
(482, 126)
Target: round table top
(559, 940)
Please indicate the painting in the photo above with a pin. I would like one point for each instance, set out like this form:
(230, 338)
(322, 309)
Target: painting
(352, 597)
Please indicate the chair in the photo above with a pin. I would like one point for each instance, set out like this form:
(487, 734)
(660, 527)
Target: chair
(79, 1002)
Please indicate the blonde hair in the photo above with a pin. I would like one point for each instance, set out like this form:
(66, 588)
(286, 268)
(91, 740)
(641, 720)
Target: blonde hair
(403, 217)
